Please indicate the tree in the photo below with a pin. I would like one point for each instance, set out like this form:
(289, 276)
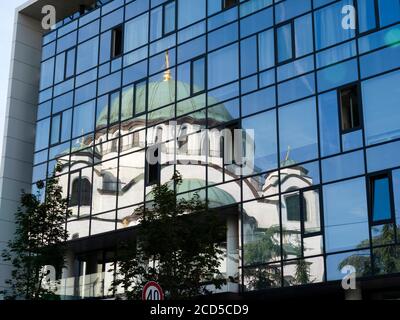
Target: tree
(177, 246)
(38, 242)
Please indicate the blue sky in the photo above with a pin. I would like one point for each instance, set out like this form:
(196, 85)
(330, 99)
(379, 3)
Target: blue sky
(7, 9)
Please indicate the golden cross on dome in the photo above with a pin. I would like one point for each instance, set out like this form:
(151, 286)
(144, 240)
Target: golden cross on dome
(288, 153)
(167, 73)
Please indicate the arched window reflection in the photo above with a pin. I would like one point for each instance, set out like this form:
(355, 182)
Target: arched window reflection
(81, 192)
(74, 200)
(293, 207)
(183, 140)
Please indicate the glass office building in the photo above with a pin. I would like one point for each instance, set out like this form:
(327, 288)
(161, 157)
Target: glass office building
(318, 94)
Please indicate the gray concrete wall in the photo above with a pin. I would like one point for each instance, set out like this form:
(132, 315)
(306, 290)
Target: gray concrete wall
(19, 131)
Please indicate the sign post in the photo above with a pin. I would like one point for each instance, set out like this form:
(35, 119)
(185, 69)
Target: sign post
(152, 291)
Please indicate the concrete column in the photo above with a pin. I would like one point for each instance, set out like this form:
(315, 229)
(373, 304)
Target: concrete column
(19, 131)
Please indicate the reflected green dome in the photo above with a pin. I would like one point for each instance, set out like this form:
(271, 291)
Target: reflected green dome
(216, 196)
(161, 94)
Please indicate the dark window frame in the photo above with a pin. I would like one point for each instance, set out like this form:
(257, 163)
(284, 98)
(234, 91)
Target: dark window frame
(300, 194)
(371, 197)
(377, 20)
(153, 171)
(114, 53)
(60, 115)
(135, 86)
(359, 109)
(66, 63)
(229, 4)
(164, 6)
(110, 94)
(292, 41)
(78, 202)
(192, 73)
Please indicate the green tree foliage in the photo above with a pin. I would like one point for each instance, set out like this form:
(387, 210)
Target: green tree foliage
(177, 246)
(268, 248)
(386, 258)
(38, 242)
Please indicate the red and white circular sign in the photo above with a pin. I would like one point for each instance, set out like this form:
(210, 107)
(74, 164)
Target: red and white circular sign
(152, 291)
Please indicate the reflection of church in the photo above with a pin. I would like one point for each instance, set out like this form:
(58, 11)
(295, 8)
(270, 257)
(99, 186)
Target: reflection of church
(121, 180)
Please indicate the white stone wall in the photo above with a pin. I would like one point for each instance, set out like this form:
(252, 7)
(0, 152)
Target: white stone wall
(19, 132)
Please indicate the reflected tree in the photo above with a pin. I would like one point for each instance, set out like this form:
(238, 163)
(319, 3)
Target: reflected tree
(177, 246)
(268, 248)
(39, 242)
(386, 258)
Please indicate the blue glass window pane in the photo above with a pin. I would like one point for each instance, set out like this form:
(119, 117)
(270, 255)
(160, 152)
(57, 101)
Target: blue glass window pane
(191, 11)
(199, 77)
(257, 101)
(223, 66)
(111, 20)
(70, 63)
(169, 17)
(381, 202)
(89, 31)
(46, 74)
(296, 89)
(336, 54)
(381, 120)
(83, 119)
(256, 22)
(389, 11)
(366, 15)
(303, 35)
(380, 61)
(335, 263)
(266, 49)
(85, 93)
(248, 7)
(248, 56)
(134, 39)
(383, 157)
(329, 124)
(135, 8)
(298, 132)
(87, 55)
(343, 166)
(396, 193)
(291, 8)
(156, 26)
(60, 68)
(55, 129)
(66, 125)
(66, 42)
(42, 134)
(328, 25)
(263, 127)
(222, 36)
(352, 140)
(284, 38)
(213, 6)
(337, 75)
(346, 221)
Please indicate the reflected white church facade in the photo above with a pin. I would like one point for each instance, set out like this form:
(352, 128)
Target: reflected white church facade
(117, 175)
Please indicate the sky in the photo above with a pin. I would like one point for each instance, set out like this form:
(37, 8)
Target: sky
(7, 9)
